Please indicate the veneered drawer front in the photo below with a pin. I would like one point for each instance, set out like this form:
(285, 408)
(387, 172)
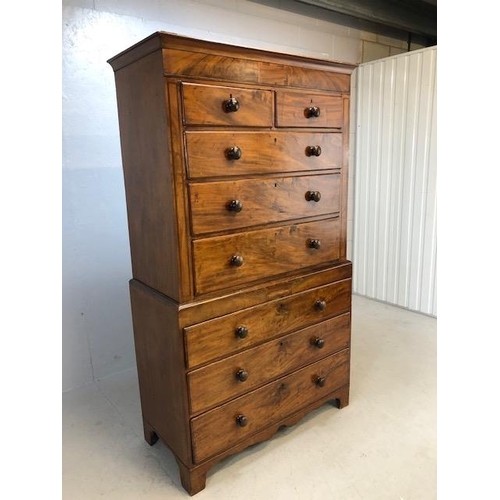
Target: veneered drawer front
(252, 368)
(222, 336)
(227, 261)
(209, 153)
(205, 105)
(219, 429)
(299, 109)
(218, 206)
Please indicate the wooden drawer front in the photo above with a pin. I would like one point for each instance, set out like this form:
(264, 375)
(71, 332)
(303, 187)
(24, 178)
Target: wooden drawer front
(292, 109)
(218, 429)
(218, 206)
(227, 261)
(209, 153)
(204, 105)
(220, 381)
(218, 337)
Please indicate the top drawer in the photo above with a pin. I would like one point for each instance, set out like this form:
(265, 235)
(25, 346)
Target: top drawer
(209, 105)
(300, 109)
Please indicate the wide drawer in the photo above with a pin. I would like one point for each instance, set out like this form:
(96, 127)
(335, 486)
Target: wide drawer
(219, 206)
(252, 368)
(222, 427)
(248, 327)
(209, 105)
(213, 154)
(227, 261)
(299, 109)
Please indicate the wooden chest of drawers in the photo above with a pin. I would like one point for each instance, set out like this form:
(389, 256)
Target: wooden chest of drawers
(235, 164)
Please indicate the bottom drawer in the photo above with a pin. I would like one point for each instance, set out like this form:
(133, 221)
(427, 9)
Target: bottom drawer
(222, 427)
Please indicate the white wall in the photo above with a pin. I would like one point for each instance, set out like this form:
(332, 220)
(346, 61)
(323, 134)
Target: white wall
(394, 251)
(97, 331)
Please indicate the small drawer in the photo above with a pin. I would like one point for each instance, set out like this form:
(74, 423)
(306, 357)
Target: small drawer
(298, 109)
(238, 331)
(228, 261)
(218, 206)
(222, 427)
(216, 154)
(208, 105)
(252, 368)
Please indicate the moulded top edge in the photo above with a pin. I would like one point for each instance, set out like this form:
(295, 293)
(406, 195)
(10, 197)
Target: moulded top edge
(165, 40)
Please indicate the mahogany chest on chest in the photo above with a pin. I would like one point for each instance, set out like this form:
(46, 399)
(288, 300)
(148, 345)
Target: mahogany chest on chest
(235, 167)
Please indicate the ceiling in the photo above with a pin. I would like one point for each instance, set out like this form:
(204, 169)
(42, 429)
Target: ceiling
(405, 17)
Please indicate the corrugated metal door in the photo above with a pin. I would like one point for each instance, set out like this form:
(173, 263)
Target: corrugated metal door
(394, 220)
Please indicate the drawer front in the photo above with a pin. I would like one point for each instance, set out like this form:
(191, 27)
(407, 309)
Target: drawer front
(296, 109)
(227, 261)
(219, 206)
(235, 375)
(207, 105)
(220, 428)
(213, 154)
(223, 336)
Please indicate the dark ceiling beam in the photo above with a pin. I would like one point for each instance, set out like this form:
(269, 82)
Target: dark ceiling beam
(412, 16)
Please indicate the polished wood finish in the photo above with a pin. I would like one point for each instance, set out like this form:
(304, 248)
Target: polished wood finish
(235, 166)
(292, 110)
(216, 382)
(215, 430)
(277, 151)
(147, 170)
(159, 354)
(230, 205)
(212, 339)
(264, 252)
(204, 105)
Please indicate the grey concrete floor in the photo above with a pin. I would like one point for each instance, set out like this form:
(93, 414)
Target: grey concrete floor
(380, 447)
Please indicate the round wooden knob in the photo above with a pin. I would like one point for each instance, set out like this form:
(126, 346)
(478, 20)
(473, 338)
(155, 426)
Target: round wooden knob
(241, 375)
(241, 332)
(316, 244)
(320, 381)
(318, 342)
(312, 112)
(313, 196)
(320, 305)
(233, 153)
(241, 420)
(236, 261)
(231, 105)
(235, 206)
(313, 151)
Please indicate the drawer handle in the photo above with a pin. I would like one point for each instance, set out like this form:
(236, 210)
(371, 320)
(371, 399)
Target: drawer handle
(233, 153)
(312, 112)
(241, 332)
(318, 342)
(241, 375)
(235, 206)
(313, 150)
(313, 196)
(236, 261)
(320, 381)
(314, 244)
(320, 305)
(241, 420)
(231, 105)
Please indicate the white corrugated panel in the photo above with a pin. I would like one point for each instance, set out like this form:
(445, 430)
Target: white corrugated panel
(394, 220)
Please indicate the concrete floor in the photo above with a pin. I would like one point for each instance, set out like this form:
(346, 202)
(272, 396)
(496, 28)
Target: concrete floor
(380, 447)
